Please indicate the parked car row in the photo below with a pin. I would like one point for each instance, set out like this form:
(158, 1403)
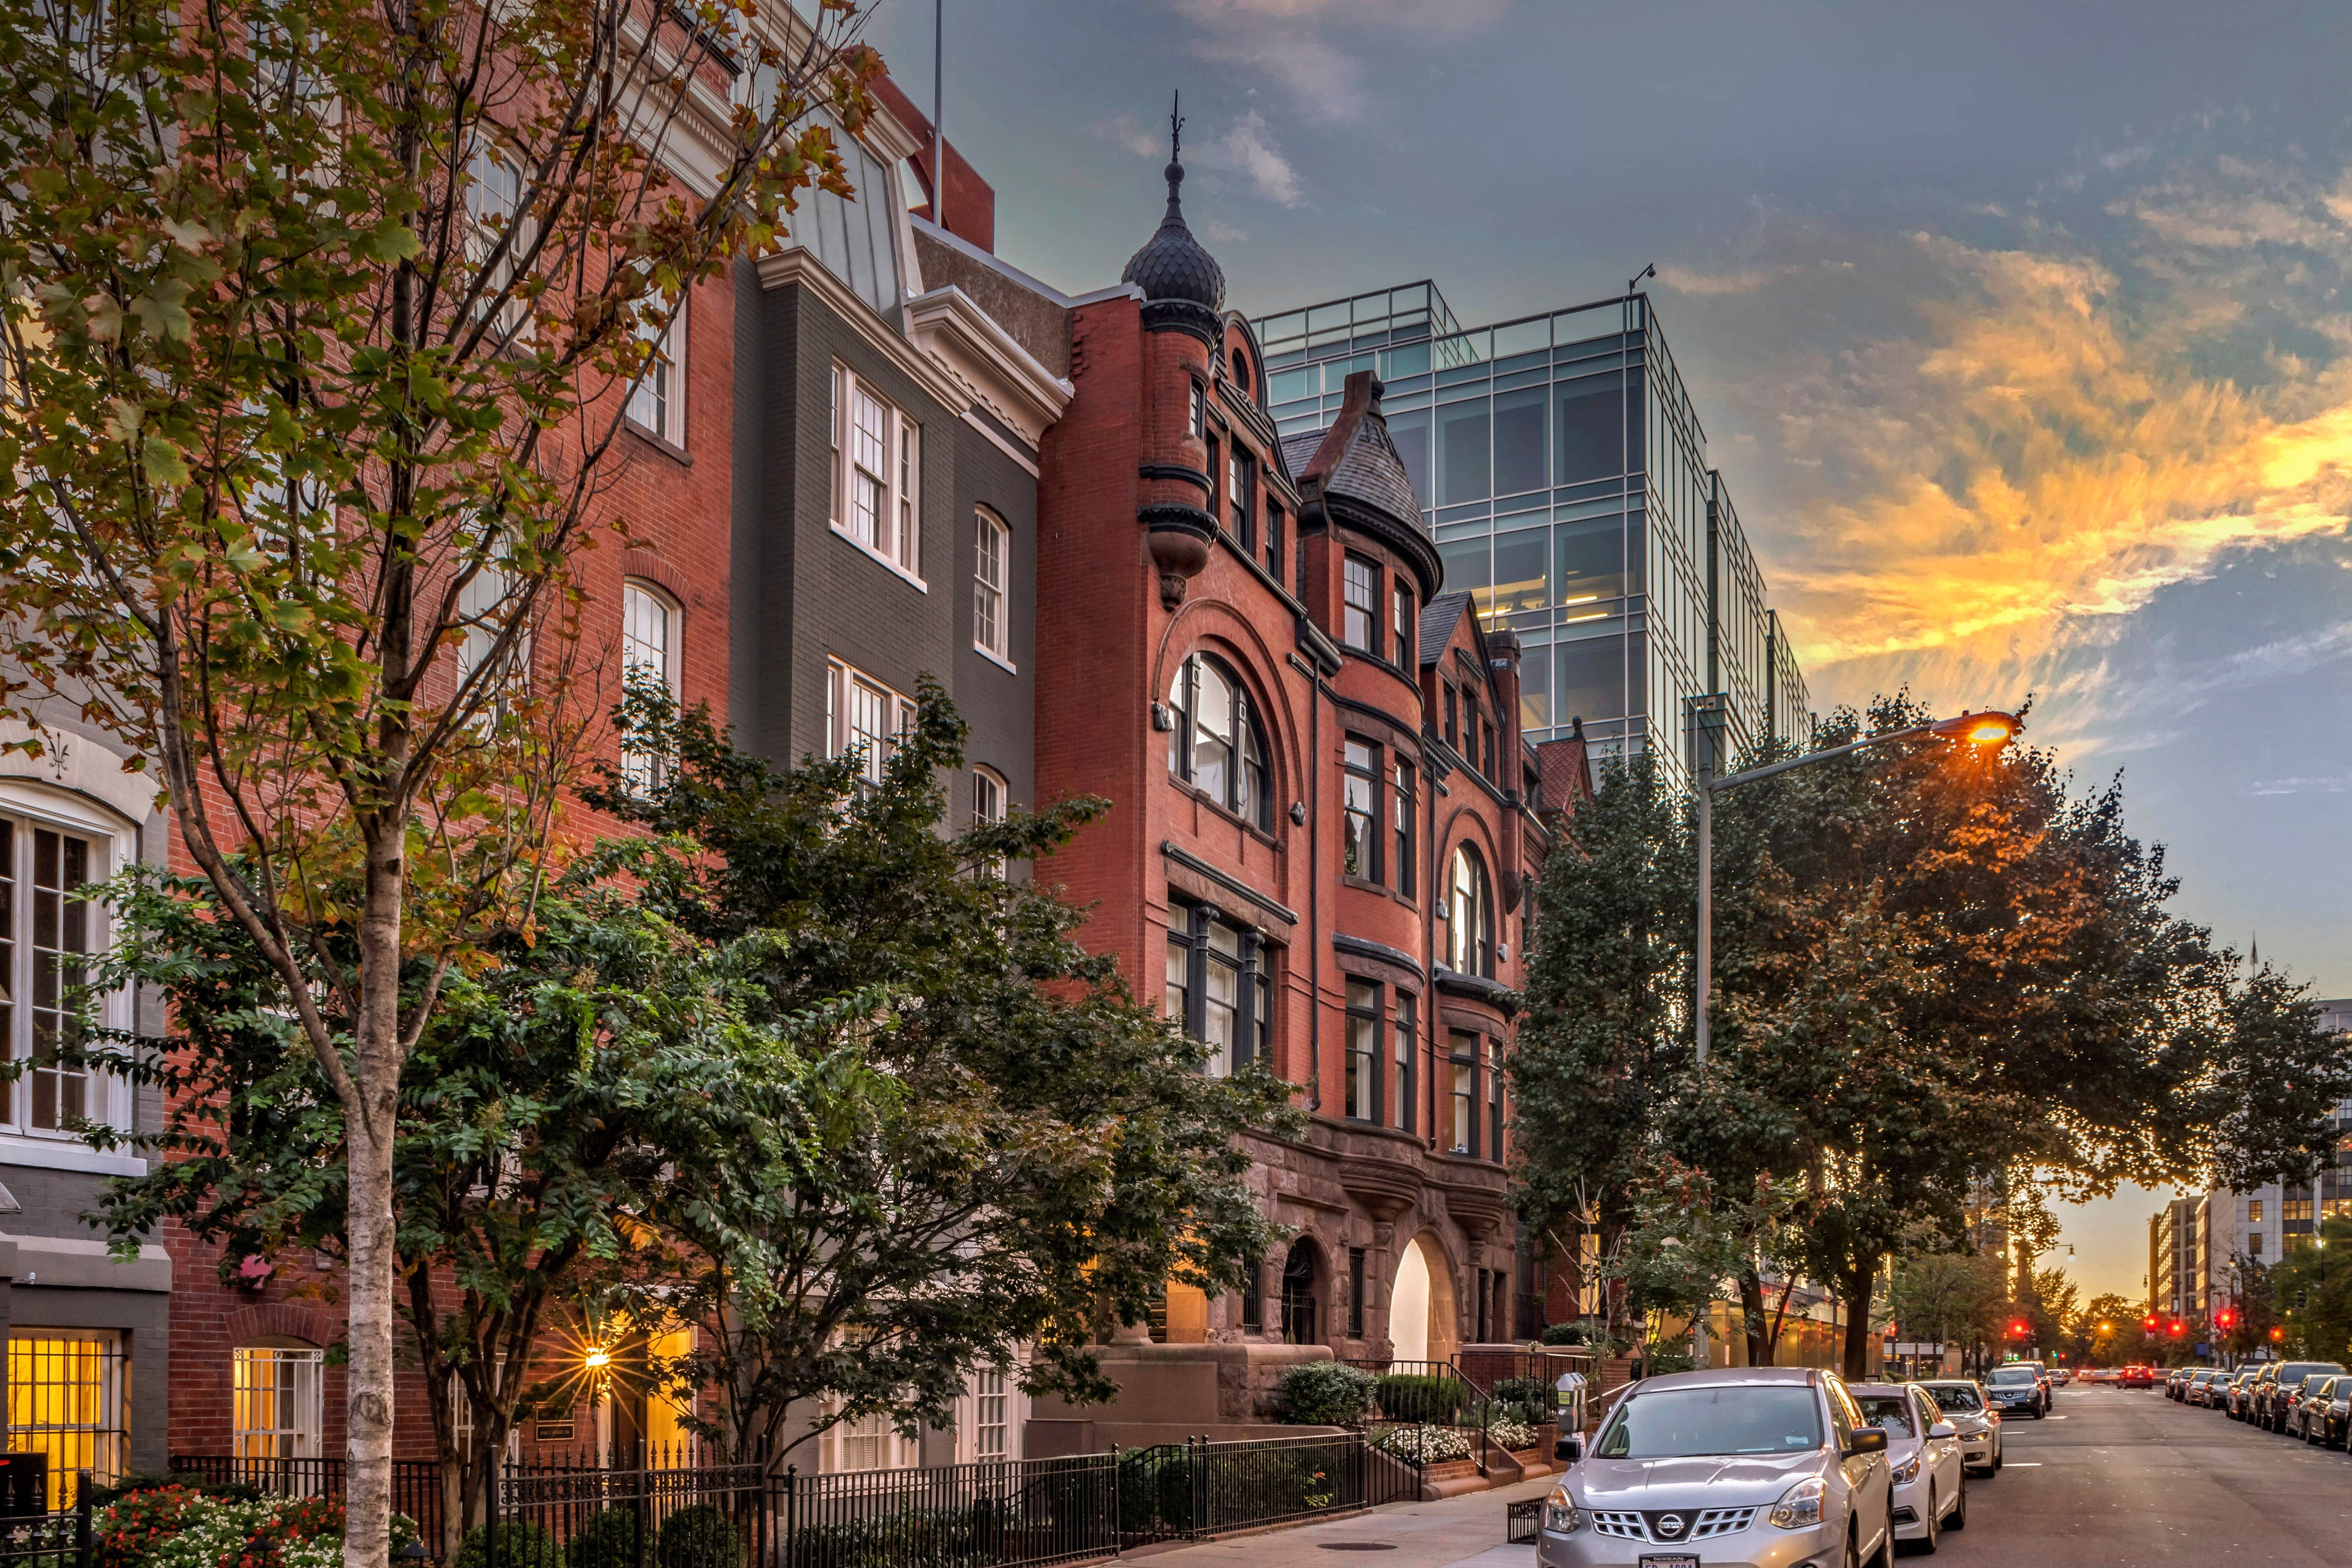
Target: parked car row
(1781, 1465)
(2307, 1399)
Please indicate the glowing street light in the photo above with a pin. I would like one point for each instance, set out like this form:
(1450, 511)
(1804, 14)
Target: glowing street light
(597, 1359)
(1988, 728)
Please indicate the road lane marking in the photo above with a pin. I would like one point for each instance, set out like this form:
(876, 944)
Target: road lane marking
(2025, 1464)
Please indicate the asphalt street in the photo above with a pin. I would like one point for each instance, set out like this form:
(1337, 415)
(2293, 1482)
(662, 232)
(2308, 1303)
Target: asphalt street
(2126, 1476)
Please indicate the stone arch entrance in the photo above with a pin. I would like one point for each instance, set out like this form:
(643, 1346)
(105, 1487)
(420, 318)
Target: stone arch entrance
(1423, 1322)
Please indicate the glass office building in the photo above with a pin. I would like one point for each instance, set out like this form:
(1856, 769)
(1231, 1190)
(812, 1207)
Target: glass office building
(1564, 474)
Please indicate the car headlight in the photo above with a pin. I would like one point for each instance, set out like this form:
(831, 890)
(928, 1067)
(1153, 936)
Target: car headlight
(1800, 1507)
(1561, 1515)
(1907, 1471)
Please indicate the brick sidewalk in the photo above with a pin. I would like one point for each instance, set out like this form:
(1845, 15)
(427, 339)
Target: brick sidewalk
(1450, 1534)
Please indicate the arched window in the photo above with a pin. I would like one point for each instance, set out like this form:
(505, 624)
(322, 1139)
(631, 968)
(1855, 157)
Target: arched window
(1470, 916)
(1215, 743)
(1241, 372)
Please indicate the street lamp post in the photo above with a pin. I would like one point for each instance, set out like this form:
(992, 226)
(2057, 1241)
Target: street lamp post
(1978, 728)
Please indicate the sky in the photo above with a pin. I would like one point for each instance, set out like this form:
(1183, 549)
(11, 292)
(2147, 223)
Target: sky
(2020, 331)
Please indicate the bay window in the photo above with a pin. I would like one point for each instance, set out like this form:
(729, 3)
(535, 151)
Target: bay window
(876, 451)
(1403, 880)
(1363, 1066)
(1462, 1050)
(1408, 1045)
(1219, 986)
(1360, 625)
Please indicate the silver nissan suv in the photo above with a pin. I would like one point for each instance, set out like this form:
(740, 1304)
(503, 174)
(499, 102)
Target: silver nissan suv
(1768, 1466)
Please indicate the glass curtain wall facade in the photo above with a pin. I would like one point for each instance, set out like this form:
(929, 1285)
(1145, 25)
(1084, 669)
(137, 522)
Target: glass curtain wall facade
(1564, 474)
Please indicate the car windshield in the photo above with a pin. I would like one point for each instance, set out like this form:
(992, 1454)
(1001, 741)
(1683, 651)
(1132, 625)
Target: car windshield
(1678, 1423)
(1953, 1398)
(2011, 1376)
(1889, 1412)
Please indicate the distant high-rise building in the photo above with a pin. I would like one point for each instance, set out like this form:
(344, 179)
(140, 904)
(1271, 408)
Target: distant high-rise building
(1564, 474)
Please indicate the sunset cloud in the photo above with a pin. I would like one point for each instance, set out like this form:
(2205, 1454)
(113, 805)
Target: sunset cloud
(2052, 438)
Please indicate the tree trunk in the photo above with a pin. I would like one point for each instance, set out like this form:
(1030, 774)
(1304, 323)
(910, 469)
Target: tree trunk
(369, 1128)
(1752, 1317)
(1855, 1286)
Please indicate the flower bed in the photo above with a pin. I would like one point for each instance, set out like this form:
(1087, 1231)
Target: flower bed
(1423, 1445)
(1513, 1435)
(179, 1526)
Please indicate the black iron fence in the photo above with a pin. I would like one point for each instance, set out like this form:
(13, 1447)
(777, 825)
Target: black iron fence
(1425, 1412)
(996, 1514)
(35, 1535)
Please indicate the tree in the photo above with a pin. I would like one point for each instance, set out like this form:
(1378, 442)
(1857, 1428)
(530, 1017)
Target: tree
(1951, 1298)
(550, 1107)
(318, 324)
(1936, 969)
(2109, 1331)
(1037, 1152)
(2312, 1288)
(1598, 1052)
(2052, 1309)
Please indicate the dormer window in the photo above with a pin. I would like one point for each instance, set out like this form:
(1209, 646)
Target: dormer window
(1241, 372)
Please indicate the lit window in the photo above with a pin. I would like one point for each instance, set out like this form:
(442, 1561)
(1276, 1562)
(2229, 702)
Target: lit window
(1470, 916)
(1214, 743)
(1360, 589)
(277, 1408)
(64, 1400)
(2254, 1211)
(657, 402)
(991, 628)
(876, 474)
(1359, 846)
(863, 716)
(649, 657)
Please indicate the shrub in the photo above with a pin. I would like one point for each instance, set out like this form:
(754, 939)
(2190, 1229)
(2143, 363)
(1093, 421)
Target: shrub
(1590, 1334)
(521, 1544)
(699, 1536)
(1536, 1393)
(1419, 1396)
(1326, 1394)
(1424, 1444)
(609, 1539)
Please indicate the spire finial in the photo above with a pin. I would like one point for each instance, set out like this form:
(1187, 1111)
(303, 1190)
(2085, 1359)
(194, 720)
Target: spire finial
(1176, 128)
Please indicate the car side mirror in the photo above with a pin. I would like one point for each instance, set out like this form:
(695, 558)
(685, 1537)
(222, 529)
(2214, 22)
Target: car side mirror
(1567, 1450)
(1869, 1440)
(1943, 1429)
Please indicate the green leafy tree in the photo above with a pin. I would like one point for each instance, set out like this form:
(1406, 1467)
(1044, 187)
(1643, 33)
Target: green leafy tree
(2312, 1288)
(1039, 1152)
(1935, 968)
(2053, 1310)
(555, 1103)
(318, 324)
(1953, 1298)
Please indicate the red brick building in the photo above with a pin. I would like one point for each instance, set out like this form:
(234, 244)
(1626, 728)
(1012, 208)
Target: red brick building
(1324, 816)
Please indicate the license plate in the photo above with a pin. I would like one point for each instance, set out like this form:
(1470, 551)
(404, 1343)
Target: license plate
(1678, 1559)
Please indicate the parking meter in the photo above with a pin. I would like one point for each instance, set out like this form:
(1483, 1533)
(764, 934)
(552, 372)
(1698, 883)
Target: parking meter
(1567, 1408)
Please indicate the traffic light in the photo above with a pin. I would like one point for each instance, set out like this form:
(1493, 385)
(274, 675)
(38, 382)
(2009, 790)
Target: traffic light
(2020, 1329)
(2178, 1328)
(2277, 1334)
(2148, 1321)
(2224, 1318)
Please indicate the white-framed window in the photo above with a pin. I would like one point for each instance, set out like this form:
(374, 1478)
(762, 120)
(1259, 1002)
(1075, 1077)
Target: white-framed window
(988, 805)
(277, 1408)
(484, 607)
(494, 208)
(658, 402)
(48, 937)
(650, 652)
(877, 471)
(991, 576)
(867, 1443)
(66, 1400)
(989, 1416)
(862, 714)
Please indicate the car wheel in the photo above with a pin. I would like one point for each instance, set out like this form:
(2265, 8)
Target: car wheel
(1960, 1519)
(1934, 1540)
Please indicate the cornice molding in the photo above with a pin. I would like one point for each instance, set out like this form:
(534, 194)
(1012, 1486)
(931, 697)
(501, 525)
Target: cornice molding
(799, 264)
(998, 373)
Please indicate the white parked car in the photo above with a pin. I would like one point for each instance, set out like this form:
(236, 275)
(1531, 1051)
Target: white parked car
(1967, 1406)
(1931, 1482)
(1769, 1466)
